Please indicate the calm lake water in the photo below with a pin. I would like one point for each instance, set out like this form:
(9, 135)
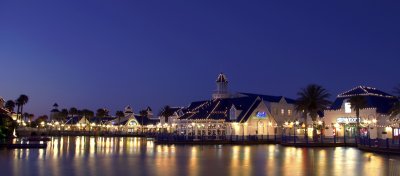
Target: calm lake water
(136, 156)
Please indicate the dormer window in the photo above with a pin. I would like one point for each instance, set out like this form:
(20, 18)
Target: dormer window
(282, 111)
(232, 113)
(347, 107)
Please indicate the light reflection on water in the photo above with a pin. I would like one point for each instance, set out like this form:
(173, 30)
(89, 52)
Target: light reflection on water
(136, 156)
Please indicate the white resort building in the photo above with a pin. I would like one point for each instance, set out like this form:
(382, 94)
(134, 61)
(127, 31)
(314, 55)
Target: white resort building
(235, 114)
(375, 119)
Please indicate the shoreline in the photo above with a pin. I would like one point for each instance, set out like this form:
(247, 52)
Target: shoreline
(379, 150)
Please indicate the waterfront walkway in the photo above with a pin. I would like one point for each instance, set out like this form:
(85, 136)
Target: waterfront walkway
(386, 146)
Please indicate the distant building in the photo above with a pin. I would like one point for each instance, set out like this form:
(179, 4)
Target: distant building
(374, 119)
(54, 113)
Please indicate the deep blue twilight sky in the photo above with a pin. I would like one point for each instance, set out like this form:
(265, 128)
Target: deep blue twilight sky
(92, 54)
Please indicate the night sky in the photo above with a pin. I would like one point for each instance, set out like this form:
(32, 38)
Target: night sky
(92, 54)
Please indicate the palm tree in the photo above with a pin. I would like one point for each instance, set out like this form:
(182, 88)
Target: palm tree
(25, 115)
(143, 113)
(31, 116)
(312, 100)
(10, 105)
(64, 114)
(87, 113)
(73, 111)
(119, 114)
(102, 112)
(357, 103)
(21, 101)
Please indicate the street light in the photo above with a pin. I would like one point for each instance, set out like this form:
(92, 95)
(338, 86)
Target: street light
(294, 130)
(269, 124)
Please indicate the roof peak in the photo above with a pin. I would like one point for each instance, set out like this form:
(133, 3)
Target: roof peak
(364, 91)
(222, 78)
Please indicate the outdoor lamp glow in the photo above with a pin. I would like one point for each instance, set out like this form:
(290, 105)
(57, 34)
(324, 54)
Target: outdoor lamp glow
(297, 122)
(373, 120)
(319, 122)
(336, 125)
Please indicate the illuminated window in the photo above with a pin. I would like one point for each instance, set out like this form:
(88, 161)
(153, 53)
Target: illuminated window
(347, 107)
(282, 111)
(396, 132)
(289, 112)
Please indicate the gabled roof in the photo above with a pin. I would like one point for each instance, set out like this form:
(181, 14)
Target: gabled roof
(270, 98)
(148, 108)
(4, 111)
(101, 120)
(73, 120)
(143, 120)
(378, 99)
(365, 91)
(218, 109)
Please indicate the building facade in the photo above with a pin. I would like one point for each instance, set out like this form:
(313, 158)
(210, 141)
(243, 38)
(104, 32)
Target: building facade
(375, 120)
(236, 114)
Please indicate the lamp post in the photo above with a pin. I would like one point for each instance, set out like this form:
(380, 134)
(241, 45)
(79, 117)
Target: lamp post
(346, 123)
(269, 124)
(242, 131)
(262, 136)
(374, 122)
(284, 129)
(275, 130)
(336, 131)
(291, 126)
(320, 123)
(294, 130)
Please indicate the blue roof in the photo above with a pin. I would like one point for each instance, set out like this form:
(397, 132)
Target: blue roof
(143, 120)
(364, 90)
(218, 109)
(375, 98)
(100, 120)
(271, 98)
